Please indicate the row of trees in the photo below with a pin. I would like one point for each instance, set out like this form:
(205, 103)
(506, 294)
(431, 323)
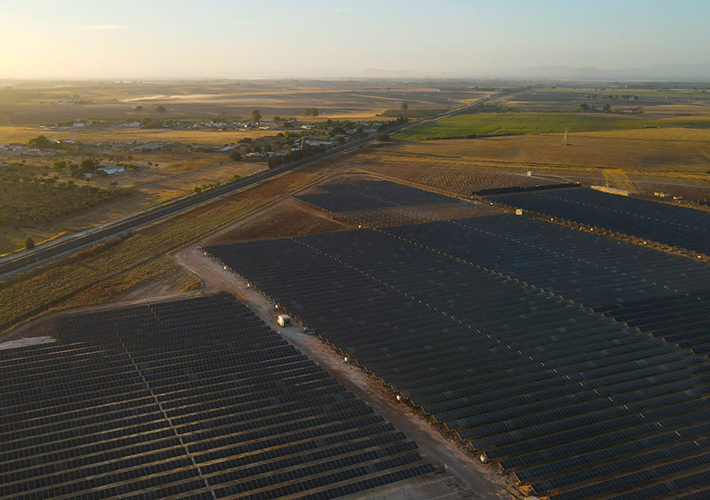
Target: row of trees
(158, 109)
(585, 108)
(305, 152)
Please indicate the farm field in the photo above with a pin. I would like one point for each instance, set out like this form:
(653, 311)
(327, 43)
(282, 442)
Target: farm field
(495, 124)
(670, 160)
(170, 177)
(87, 279)
(288, 218)
(32, 103)
(22, 134)
(664, 151)
(665, 102)
(453, 175)
(671, 134)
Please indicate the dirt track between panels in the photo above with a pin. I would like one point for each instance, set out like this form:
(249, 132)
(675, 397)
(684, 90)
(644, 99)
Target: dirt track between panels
(471, 479)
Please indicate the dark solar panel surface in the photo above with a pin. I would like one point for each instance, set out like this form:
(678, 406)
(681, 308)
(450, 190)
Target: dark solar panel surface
(675, 226)
(661, 294)
(195, 399)
(370, 195)
(574, 403)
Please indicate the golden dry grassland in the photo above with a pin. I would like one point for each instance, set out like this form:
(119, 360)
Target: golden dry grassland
(669, 152)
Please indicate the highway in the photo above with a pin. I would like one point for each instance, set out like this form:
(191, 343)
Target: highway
(79, 241)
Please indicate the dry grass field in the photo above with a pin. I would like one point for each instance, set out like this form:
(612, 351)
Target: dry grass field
(451, 174)
(33, 103)
(110, 271)
(288, 218)
(22, 134)
(656, 134)
(172, 178)
(620, 149)
(475, 125)
(666, 102)
(466, 165)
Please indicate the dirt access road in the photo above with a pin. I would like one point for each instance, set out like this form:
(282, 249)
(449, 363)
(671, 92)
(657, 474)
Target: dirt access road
(466, 478)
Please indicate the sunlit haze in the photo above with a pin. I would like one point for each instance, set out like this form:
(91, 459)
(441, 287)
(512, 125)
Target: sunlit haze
(310, 38)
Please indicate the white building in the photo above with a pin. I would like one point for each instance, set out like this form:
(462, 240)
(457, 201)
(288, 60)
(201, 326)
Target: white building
(112, 170)
(319, 143)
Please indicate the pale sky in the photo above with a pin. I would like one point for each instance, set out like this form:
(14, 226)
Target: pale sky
(310, 38)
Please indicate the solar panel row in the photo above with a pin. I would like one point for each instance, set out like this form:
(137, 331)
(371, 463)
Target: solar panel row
(554, 391)
(370, 195)
(187, 399)
(661, 294)
(671, 225)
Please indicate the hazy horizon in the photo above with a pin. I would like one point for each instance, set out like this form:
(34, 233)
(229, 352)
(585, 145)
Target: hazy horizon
(159, 39)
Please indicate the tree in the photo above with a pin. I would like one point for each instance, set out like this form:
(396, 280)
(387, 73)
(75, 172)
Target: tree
(89, 166)
(41, 142)
(310, 113)
(383, 138)
(584, 107)
(160, 109)
(256, 116)
(29, 243)
(235, 156)
(139, 108)
(607, 107)
(405, 106)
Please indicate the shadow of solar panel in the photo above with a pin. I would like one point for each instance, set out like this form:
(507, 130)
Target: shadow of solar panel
(178, 399)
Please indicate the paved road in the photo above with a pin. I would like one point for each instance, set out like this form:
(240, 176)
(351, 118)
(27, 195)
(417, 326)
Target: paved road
(67, 246)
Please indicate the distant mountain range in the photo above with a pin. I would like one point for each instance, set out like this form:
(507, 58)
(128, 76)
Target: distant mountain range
(669, 72)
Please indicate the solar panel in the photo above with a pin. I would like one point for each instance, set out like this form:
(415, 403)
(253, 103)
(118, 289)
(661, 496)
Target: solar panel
(181, 399)
(485, 340)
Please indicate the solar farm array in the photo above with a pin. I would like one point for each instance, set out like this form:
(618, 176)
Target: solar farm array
(661, 294)
(370, 195)
(190, 399)
(575, 404)
(675, 226)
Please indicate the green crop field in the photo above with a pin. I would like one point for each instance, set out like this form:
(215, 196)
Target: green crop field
(495, 124)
